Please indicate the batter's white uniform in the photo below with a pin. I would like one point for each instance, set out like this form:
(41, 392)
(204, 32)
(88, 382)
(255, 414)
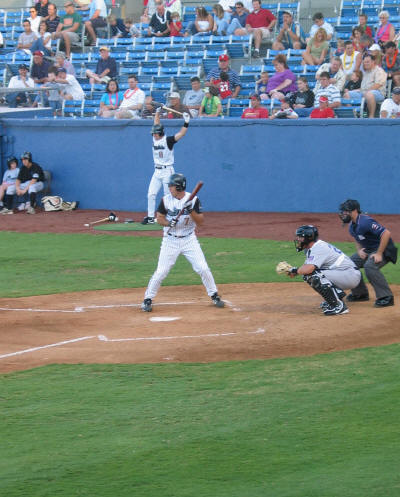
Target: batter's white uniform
(163, 156)
(180, 239)
(334, 265)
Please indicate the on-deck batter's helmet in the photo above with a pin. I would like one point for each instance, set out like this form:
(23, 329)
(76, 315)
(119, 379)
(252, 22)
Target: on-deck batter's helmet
(349, 205)
(178, 181)
(157, 129)
(10, 160)
(308, 233)
(27, 155)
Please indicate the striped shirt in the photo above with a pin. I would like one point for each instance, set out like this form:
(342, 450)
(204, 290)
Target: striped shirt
(330, 91)
(234, 79)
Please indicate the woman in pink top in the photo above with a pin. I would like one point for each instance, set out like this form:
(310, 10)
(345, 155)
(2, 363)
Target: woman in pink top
(386, 31)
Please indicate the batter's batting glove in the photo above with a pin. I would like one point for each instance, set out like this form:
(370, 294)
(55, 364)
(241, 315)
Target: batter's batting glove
(186, 117)
(173, 222)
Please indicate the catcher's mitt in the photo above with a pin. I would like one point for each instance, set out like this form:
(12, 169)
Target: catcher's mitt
(284, 267)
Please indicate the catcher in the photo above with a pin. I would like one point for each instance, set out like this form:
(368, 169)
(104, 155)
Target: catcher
(326, 269)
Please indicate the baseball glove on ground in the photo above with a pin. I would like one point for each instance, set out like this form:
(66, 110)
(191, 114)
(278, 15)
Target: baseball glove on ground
(284, 267)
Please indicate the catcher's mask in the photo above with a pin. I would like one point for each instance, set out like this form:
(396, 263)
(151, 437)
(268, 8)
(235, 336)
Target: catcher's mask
(304, 235)
(157, 129)
(10, 160)
(346, 208)
(178, 181)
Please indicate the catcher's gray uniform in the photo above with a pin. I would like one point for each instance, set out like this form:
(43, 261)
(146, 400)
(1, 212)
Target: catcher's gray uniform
(333, 265)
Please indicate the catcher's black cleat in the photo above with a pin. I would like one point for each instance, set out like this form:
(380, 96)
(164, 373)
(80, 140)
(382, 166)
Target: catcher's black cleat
(339, 308)
(148, 220)
(146, 306)
(216, 300)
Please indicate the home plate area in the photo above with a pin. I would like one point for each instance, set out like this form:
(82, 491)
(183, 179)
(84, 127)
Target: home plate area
(262, 320)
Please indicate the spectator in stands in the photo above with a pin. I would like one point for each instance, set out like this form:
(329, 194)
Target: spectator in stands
(69, 27)
(291, 34)
(106, 68)
(256, 111)
(323, 111)
(283, 81)
(304, 97)
(132, 29)
(30, 181)
(7, 188)
(175, 26)
(223, 85)
(211, 105)
(223, 66)
(317, 49)
(319, 22)
(261, 86)
(133, 101)
(391, 63)
(173, 6)
(20, 82)
(34, 19)
(373, 85)
(61, 61)
(339, 48)
(376, 51)
(54, 96)
(118, 28)
(354, 83)
(97, 19)
(202, 25)
(43, 43)
(386, 31)
(351, 59)
(391, 106)
(223, 23)
(42, 9)
(148, 11)
(52, 20)
(82, 4)
(329, 90)
(71, 90)
(27, 37)
(260, 23)
(240, 14)
(336, 75)
(194, 97)
(40, 68)
(176, 104)
(356, 35)
(286, 111)
(362, 25)
(111, 99)
(159, 23)
(149, 109)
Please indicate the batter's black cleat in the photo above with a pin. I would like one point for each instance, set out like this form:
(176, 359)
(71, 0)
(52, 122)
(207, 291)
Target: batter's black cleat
(339, 308)
(216, 300)
(148, 220)
(146, 306)
(357, 298)
(384, 301)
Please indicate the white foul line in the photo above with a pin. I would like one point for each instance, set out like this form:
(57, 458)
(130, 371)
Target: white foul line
(34, 349)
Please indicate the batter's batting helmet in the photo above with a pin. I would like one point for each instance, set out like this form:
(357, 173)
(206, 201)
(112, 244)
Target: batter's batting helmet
(27, 155)
(10, 160)
(178, 181)
(157, 129)
(348, 206)
(308, 233)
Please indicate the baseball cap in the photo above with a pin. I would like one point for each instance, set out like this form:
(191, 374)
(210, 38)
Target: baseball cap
(61, 69)
(68, 4)
(174, 94)
(104, 48)
(323, 98)
(254, 96)
(23, 66)
(223, 58)
(38, 52)
(396, 90)
(375, 46)
(289, 12)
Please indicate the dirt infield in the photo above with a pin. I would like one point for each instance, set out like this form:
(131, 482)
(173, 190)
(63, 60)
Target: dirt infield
(260, 320)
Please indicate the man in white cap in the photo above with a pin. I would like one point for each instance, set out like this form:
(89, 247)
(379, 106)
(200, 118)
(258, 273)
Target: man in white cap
(176, 104)
(106, 68)
(391, 106)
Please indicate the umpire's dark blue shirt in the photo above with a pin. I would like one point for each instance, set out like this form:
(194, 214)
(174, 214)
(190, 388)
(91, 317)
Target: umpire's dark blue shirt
(367, 232)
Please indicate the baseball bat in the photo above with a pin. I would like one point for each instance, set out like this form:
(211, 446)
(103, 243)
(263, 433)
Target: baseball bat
(158, 104)
(110, 217)
(191, 197)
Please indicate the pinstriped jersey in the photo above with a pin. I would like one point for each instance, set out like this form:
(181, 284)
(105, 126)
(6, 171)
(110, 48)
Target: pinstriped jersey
(170, 206)
(163, 151)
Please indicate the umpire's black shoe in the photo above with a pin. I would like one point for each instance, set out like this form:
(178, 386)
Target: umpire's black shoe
(384, 301)
(216, 300)
(146, 306)
(148, 220)
(357, 298)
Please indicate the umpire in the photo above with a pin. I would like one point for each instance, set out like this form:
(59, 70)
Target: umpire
(375, 249)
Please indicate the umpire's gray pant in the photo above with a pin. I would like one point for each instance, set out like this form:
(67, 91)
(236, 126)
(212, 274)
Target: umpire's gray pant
(374, 275)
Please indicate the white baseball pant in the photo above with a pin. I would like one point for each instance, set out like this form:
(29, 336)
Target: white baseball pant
(345, 279)
(159, 179)
(34, 187)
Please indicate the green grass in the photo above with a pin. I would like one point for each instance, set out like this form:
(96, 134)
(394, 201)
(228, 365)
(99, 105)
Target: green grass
(323, 426)
(35, 264)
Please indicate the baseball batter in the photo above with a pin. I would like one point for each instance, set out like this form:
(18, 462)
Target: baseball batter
(326, 269)
(180, 238)
(163, 155)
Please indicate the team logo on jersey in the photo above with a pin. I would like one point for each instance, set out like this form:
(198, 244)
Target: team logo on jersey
(375, 226)
(173, 213)
(158, 147)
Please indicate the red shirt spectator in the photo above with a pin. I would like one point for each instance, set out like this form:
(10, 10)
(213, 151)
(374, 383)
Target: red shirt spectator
(223, 85)
(323, 111)
(260, 19)
(255, 111)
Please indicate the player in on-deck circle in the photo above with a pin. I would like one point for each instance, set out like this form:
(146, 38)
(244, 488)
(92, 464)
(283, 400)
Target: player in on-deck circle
(163, 156)
(326, 269)
(179, 237)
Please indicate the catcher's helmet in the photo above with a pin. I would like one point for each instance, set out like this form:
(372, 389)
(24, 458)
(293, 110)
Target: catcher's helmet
(348, 206)
(305, 235)
(10, 160)
(157, 129)
(178, 181)
(27, 155)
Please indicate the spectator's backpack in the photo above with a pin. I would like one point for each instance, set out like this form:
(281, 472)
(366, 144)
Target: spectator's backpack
(55, 203)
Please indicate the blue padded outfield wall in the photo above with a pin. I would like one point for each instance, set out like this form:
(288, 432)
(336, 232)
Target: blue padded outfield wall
(281, 166)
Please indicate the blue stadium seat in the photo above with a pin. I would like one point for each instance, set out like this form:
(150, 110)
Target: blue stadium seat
(72, 108)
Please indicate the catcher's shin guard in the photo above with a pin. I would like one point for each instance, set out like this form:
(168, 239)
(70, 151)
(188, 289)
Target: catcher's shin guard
(323, 286)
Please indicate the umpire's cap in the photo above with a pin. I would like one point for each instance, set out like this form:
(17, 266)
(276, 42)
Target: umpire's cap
(178, 181)
(350, 205)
